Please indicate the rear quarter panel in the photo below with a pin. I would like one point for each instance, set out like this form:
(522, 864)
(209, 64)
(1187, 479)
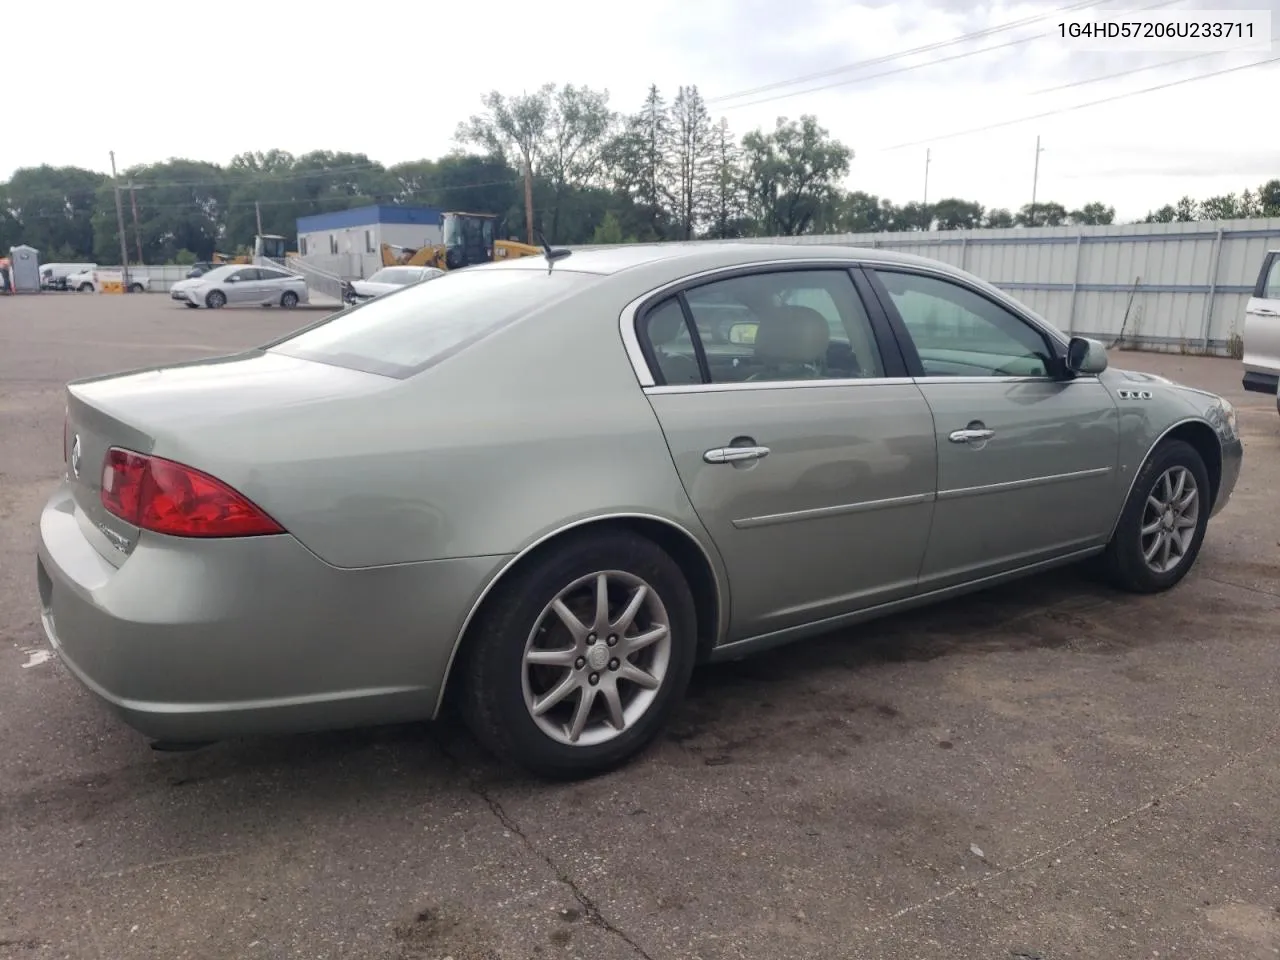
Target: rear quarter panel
(539, 426)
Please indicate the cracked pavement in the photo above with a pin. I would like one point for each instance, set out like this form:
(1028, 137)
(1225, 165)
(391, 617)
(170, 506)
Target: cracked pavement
(1048, 770)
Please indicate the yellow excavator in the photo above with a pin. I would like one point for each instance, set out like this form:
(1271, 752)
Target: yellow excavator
(265, 246)
(468, 238)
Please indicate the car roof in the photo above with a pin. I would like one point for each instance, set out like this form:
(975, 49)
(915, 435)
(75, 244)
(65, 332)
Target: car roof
(692, 256)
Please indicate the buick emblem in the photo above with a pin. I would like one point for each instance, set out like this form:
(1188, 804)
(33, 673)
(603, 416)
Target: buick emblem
(75, 456)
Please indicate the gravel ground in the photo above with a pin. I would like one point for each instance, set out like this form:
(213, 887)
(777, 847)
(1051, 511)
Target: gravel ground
(1047, 770)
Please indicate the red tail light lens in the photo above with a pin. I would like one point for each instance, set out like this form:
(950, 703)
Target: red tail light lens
(167, 497)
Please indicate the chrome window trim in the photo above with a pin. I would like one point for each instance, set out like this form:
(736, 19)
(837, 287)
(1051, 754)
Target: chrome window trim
(631, 340)
(655, 391)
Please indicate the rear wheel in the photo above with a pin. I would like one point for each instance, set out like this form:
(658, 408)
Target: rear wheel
(1162, 527)
(135, 288)
(575, 664)
(289, 300)
(85, 288)
(215, 299)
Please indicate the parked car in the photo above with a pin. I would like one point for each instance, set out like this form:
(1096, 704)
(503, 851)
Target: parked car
(53, 276)
(1261, 333)
(535, 486)
(91, 281)
(239, 285)
(200, 268)
(385, 281)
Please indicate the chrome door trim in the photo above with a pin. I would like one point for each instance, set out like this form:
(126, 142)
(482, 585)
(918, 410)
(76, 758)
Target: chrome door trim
(964, 436)
(840, 509)
(1007, 485)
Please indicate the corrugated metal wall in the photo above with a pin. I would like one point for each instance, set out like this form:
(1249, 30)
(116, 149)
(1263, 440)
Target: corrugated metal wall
(1189, 281)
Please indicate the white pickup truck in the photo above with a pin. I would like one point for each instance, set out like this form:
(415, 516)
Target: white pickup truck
(92, 281)
(1262, 330)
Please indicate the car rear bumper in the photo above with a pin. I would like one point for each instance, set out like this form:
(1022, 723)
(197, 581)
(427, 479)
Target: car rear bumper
(203, 640)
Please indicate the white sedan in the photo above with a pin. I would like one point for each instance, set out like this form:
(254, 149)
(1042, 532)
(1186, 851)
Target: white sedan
(237, 284)
(386, 280)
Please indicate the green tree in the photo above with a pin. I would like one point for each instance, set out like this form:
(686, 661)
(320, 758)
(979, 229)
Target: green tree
(1000, 219)
(52, 208)
(693, 158)
(639, 160)
(727, 217)
(1094, 214)
(792, 174)
(1042, 215)
(956, 214)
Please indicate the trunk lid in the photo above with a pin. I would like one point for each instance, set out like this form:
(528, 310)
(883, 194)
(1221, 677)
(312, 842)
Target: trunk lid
(166, 411)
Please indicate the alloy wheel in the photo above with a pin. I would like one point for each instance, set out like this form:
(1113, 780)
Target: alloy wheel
(596, 658)
(1169, 519)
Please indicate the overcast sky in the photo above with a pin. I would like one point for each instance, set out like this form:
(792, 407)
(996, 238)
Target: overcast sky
(393, 81)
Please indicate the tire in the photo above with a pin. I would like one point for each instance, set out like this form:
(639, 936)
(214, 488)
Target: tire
(215, 300)
(289, 300)
(1124, 563)
(85, 288)
(498, 685)
(135, 288)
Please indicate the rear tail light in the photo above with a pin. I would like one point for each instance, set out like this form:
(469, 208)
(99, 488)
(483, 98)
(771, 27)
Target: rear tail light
(167, 497)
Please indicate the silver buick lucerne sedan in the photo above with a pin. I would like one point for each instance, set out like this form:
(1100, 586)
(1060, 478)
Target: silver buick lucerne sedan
(548, 487)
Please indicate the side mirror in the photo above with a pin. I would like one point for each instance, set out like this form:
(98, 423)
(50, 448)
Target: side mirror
(233, 279)
(743, 333)
(1086, 357)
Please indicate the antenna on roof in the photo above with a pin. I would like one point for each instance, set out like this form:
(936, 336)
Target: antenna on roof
(551, 253)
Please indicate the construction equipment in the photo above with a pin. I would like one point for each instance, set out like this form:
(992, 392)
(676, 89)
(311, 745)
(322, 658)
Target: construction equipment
(468, 238)
(266, 246)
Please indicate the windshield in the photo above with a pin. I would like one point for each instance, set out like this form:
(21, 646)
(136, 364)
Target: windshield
(404, 333)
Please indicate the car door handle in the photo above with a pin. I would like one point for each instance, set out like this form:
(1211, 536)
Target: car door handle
(1266, 312)
(734, 454)
(968, 434)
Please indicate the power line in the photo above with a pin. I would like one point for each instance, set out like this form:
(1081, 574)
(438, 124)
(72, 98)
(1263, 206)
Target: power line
(914, 66)
(1130, 72)
(1082, 106)
(875, 61)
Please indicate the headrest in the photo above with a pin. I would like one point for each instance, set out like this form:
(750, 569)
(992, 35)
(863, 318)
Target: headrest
(666, 324)
(792, 335)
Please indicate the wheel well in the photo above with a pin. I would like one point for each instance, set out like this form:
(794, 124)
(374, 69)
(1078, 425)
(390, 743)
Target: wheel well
(1202, 437)
(676, 542)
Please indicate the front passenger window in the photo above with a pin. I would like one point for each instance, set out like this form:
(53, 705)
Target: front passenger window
(959, 333)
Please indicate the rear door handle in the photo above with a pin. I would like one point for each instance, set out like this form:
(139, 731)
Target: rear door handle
(735, 454)
(1266, 312)
(969, 434)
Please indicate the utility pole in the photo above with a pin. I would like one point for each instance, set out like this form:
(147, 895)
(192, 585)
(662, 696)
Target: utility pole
(124, 246)
(528, 200)
(1035, 177)
(137, 234)
(927, 152)
(257, 210)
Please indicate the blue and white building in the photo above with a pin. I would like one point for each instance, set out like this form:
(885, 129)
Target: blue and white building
(348, 243)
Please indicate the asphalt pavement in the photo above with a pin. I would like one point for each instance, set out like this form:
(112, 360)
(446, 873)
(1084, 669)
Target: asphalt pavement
(1048, 770)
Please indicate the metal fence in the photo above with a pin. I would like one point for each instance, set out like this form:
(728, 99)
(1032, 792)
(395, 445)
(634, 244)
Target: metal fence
(1182, 285)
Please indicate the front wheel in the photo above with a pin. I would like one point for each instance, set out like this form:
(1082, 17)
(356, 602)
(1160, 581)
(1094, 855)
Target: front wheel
(1162, 527)
(289, 300)
(85, 288)
(135, 288)
(576, 663)
(215, 299)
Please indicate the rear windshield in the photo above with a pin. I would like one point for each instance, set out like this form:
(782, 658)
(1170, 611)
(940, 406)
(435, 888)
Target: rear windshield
(402, 333)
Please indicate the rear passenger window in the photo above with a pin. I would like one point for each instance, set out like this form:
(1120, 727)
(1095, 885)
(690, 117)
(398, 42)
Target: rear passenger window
(668, 338)
(785, 325)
